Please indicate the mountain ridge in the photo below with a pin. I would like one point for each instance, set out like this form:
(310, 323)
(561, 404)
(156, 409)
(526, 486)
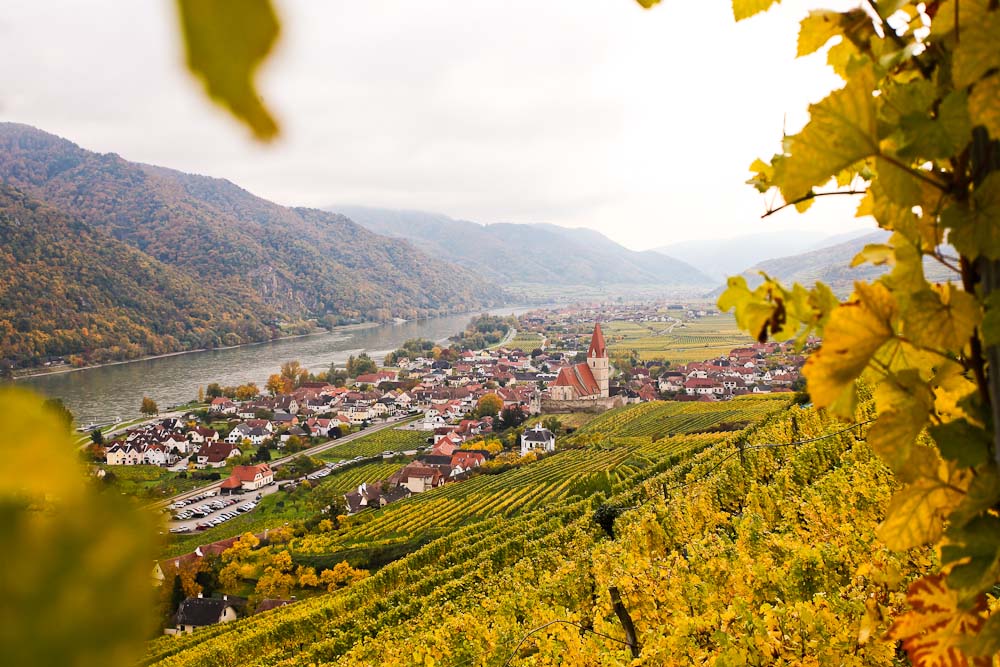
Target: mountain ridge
(528, 253)
(283, 264)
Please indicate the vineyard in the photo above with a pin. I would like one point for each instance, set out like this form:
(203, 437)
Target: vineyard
(493, 534)
(526, 340)
(386, 440)
(678, 343)
(657, 419)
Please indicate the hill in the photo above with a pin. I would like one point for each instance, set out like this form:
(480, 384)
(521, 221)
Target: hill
(745, 556)
(721, 258)
(529, 253)
(70, 289)
(254, 258)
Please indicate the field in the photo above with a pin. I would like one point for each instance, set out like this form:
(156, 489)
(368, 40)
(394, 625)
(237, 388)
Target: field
(526, 340)
(676, 342)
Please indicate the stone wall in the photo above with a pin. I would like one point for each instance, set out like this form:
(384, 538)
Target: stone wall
(594, 405)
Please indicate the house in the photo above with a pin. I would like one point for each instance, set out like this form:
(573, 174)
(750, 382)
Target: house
(239, 433)
(467, 459)
(215, 454)
(222, 406)
(249, 478)
(366, 495)
(418, 477)
(194, 613)
(272, 603)
(201, 434)
(537, 438)
(123, 454)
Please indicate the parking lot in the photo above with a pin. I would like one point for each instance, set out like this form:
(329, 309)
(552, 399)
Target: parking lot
(210, 509)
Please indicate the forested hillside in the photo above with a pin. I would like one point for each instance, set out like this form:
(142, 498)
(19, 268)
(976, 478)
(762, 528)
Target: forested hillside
(529, 253)
(68, 289)
(272, 261)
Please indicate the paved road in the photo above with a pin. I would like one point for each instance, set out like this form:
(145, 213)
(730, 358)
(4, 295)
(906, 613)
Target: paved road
(329, 444)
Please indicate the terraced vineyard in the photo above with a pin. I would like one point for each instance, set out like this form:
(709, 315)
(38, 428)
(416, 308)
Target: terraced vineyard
(386, 440)
(657, 419)
(469, 596)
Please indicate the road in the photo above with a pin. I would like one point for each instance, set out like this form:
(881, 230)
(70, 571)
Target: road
(275, 463)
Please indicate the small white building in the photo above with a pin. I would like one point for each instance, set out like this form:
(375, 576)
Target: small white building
(537, 438)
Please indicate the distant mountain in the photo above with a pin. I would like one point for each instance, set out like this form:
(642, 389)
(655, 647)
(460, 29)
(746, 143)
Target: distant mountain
(528, 253)
(721, 258)
(256, 260)
(832, 265)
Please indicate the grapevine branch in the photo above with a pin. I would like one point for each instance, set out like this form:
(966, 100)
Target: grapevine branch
(811, 195)
(575, 625)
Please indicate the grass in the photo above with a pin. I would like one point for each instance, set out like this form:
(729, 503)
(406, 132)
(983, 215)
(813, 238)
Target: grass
(154, 482)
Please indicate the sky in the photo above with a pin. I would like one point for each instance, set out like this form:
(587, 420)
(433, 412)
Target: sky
(582, 113)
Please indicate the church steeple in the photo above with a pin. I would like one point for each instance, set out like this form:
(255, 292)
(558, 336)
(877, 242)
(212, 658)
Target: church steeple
(598, 348)
(597, 360)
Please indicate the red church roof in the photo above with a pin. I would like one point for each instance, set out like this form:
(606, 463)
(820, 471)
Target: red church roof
(598, 348)
(580, 377)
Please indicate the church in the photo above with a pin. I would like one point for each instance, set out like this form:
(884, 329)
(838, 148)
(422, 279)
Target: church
(584, 385)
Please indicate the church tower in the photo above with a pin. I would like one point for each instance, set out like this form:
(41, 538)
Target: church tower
(597, 359)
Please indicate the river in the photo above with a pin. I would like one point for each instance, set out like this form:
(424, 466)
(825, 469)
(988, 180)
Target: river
(102, 393)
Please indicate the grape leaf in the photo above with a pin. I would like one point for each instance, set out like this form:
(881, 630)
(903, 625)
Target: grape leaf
(935, 621)
(975, 229)
(226, 40)
(841, 131)
(816, 30)
(977, 52)
(855, 331)
(961, 442)
(983, 107)
(943, 317)
(743, 9)
(916, 512)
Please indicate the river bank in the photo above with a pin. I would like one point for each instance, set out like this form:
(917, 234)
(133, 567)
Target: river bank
(103, 393)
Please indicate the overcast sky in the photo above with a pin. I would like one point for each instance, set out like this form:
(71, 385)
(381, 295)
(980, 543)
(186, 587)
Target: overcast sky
(583, 113)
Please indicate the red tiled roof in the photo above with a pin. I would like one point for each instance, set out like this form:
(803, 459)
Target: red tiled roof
(580, 377)
(248, 473)
(598, 348)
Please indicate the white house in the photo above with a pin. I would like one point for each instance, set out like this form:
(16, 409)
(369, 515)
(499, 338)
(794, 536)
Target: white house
(537, 438)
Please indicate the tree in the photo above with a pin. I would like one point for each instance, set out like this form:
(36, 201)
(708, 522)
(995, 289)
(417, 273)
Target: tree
(214, 390)
(245, 392)
(201, 394)
(489, 405)
(262, 455)
(148, 406)
(915, 130)
(294, 373)
(97, 437)
(276, 384)
(360, 365)
(293, 444)
(511, 417)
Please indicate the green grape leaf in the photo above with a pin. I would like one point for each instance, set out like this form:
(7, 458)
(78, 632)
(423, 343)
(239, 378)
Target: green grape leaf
(983, 107)
(743, 9)
(961, 442)
(816, 30)
(974, 552)
(991, 320)
(975, 228)
(977, 52)
(226, 40)
(841, 131)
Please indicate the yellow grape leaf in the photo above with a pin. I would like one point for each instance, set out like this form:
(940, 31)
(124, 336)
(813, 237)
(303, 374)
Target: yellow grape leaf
(916, 513)
(975, 229)
(226, 40)
(743, 9)
(855, 331)
(903, 401)
(898, 184)
(983, 106)
(977, 52)
(841, 131)
(936, 626)
(876, 253)
(816, 30)
(943, 317)
(29, 435)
